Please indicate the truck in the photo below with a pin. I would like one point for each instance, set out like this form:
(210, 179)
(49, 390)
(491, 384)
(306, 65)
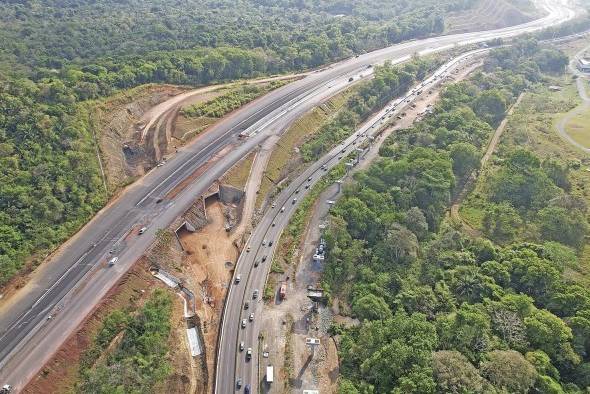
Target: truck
(283, 291)
(269, 374)
(6, 389)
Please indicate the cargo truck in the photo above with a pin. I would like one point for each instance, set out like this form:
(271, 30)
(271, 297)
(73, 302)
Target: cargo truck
(269, 374)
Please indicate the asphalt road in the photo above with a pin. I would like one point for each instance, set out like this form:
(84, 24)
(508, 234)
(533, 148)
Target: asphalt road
(232, 364)
(70, 284)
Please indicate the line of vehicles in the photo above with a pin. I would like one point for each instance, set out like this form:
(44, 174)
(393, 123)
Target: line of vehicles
(366, 133)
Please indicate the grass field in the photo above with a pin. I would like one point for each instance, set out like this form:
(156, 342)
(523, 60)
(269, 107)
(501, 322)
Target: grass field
(579, 128)
(237, 176)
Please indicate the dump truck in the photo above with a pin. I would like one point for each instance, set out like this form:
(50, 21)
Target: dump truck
(283, 291)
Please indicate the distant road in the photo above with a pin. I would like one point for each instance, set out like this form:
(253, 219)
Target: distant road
(581, 83)
(67, 287)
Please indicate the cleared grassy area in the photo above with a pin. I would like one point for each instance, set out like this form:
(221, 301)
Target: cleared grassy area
(579, 128)
(237, 176)
(285, 157)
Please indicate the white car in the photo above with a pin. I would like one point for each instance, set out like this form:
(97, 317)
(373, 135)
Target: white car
(238, 278)
(142, 230)
(113, 261)
(251, 318)
(244, 323)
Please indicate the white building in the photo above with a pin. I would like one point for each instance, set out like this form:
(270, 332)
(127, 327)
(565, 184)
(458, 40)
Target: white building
(584, 65)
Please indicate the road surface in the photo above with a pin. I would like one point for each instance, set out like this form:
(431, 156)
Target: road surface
(36, 320)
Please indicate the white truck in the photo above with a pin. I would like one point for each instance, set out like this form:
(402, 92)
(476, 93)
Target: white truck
(269, 374)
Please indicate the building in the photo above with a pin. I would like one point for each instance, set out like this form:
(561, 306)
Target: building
(584, 65)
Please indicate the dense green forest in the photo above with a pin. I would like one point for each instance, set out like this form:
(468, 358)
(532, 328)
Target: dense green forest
(58, 55)
(442, 312)
(138, 361)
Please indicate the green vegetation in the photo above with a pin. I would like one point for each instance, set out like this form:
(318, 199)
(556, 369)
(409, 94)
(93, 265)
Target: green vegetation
(58, 55)
(229, 101)
(442, 312)
(135, 347)
(389, 82)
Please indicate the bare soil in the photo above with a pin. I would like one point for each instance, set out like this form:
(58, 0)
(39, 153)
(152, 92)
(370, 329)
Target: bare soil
(209, 262)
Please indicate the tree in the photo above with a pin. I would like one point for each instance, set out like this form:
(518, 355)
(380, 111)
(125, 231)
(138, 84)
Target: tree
(371, 307)
(416, 222)
(509, 370)
(465, 158)
(468, 331)
(453, 373)
(400, 245)
(549, 333)
(501, 222)
(561, 225)
(490, 105)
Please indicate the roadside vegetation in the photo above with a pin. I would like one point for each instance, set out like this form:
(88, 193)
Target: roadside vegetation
(439, 311)
(59, 55)
(231, 100)
(129, 353)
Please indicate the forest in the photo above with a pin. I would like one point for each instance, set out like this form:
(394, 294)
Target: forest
(443, 312)
(59, 56)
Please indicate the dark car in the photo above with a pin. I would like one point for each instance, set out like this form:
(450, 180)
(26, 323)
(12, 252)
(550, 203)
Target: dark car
(247, 389)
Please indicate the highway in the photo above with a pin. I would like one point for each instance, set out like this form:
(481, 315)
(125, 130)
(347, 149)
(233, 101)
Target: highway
(39, 317)
(270, 228)
(232, 364)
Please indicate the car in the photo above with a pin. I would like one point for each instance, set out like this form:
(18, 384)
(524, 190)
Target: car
(264, 258)
(283, 209)
(242, 346)
(309, 179)
(270, 243)
(350, 79)
(273, 205)
(142, 230)
(248, 248)
(256, 262)
(339, 157)
(246, 305)
(247, 389)
(296, 191)
(264, 242)
(324, 167)
(243, 323)
(249, 353)
(159, 200)
(251, 318)
(273, 224)
(307, 186)
(294, 200)
(399, 117)
(238, 278)
(254, 295)
(239, 383)
(113, 261)
(343, 151)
